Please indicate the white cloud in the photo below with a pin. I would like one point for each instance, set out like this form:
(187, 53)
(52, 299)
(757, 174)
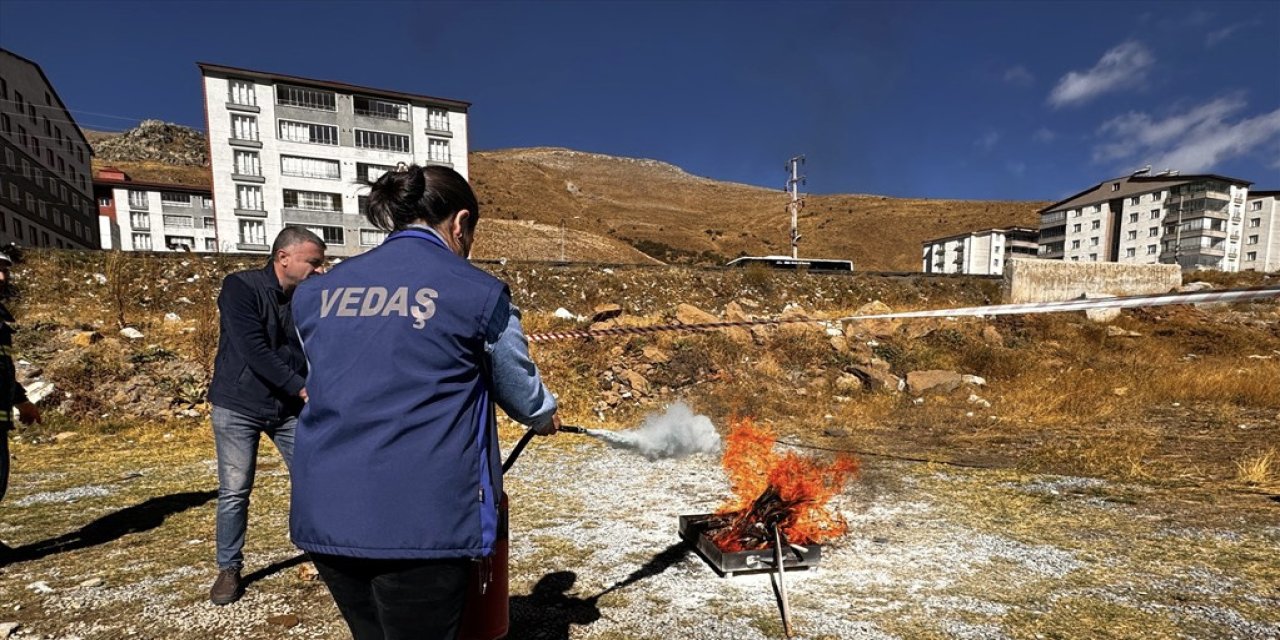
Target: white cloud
(1195, 140)
(1019, 76)
(988, 140)
(1044, 134)
(1126, 64)
(1218, 36)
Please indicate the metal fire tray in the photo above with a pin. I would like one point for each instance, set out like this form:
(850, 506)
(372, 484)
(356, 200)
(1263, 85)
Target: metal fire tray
(727, 564)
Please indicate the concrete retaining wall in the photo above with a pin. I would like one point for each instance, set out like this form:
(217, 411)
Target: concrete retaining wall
(1033, 280)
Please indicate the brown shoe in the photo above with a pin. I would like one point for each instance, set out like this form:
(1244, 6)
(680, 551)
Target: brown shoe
(226, 589)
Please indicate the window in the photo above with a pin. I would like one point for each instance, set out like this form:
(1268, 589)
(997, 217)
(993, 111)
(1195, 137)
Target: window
(1075, 213)
(1115, 186)
(382, 140)
(137, 199)
(13, 192)
(312, 200)
(179, 243)
(1155, 214)
(1075, 258)
(1075, 228)
(306, 98)
(1133, 234)
(244, 127)
(1133, 217)
(242, 92)
(1130, 252)
(1151, 249)
(210, 244)
(1135, 200)
(1093, 242)
(248, 197)
(1095, 208)
(142, 241)
(1093, 257)
(1153, 232)
(4, 123)
(180, 222)
(43, 209)
(1251, 240)
(310, 167)
(208, 222)
(247, 163)
(1254, 223)
(1075, 244)
(37, 176)
(371, 237)
(370, 172)
(139, 220)
(1256, 205)
(22, 136)
(1096, 224)
(380, 108)
(362, 204)
(253, 232)
(175, 199)
(31, 203)
(437, 119)
(307, 132)
(438, 150)
(330, 235)
(8, 159)
(1251, 256)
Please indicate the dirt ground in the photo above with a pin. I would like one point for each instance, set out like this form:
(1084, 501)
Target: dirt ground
(113, 538)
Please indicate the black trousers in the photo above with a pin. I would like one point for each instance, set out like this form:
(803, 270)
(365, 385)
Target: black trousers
(5, 427)
(397, 599)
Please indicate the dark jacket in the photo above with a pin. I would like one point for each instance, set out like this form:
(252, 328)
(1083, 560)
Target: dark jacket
(11, 393)
(259, 369)
(396, 455)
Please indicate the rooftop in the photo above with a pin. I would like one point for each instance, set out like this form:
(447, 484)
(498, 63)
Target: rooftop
(1133, 185)
(208, 68)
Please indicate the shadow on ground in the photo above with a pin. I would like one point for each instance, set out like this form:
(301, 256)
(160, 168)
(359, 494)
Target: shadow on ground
(144, 516)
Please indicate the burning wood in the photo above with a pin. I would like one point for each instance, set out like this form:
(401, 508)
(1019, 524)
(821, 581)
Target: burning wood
(787, 492)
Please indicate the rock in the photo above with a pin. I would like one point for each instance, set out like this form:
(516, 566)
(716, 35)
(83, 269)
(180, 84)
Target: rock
(877, 379)
(919, 329)
(879, 328)
(40, 586)
(7, 628)
(1192, 287)
(1101, 316)
(933, 381)
(832, 432)
(636, 381)
(915, 401)
(288, 620)
(655, 355)
(186, 300)
(991, 336)
(86, 338)
(173, 317)
(1116, 332)
(612, 399)
(606, 312)
(977, 381)
(839, 344)
(131, 333)
(1118, 391)
(689, 314)
(564, 314)
(797, 322)
(65, 436)
(157, 141)
(733, 313)
(102, 279)
(97, 582)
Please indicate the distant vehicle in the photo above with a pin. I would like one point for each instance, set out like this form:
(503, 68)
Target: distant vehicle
(787, 262)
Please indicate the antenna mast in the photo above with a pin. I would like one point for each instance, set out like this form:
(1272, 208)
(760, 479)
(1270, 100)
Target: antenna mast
(797, 202)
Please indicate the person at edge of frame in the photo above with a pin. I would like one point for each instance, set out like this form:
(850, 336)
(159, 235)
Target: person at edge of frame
(257, 387)
(397, 473)
(12, 394)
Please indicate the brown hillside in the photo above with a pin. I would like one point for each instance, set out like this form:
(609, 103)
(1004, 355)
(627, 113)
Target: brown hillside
(657, 206)
(530, 241)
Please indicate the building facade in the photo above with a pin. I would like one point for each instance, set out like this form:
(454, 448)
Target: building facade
(144, 216)
(982, 252)
(1190, 220)
(295, 151)
(1261, 234)
(46, 199)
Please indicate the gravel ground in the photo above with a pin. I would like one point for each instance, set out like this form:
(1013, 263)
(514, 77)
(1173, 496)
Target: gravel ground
(595, 555)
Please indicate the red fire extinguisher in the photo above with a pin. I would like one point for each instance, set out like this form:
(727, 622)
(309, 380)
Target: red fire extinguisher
(485, 615)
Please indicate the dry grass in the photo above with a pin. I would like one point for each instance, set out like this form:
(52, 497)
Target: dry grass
(1258, 469)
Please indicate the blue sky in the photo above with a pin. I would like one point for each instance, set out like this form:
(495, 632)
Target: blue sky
(1009, 100)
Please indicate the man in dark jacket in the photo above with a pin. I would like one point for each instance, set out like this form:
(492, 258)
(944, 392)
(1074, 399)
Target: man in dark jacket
(12, 395)
(257, 386)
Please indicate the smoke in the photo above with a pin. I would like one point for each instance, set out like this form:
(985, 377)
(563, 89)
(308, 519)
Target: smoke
(674, 434)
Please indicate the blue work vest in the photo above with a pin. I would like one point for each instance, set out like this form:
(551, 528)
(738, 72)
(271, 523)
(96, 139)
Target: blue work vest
(396, 455)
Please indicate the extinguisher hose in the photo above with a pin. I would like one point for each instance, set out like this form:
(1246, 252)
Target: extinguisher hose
(515, 453)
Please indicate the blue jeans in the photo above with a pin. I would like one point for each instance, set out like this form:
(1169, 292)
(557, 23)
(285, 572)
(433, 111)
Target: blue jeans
(236, 437)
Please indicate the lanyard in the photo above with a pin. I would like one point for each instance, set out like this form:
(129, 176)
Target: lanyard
(415, 233)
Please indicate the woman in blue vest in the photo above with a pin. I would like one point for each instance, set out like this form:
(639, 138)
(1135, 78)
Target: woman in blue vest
(396, 470)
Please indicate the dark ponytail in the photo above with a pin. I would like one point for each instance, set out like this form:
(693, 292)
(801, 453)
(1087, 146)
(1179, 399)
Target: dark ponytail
(422, 195)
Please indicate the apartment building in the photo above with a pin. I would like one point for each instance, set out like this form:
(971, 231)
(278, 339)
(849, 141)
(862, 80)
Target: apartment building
(1191, 220)
(46, 199)
(982, 252)
(147, 216)
(297, 151)
(1261, 234)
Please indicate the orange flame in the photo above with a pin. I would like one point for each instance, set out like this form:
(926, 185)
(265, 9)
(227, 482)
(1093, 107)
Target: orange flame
(806, 483)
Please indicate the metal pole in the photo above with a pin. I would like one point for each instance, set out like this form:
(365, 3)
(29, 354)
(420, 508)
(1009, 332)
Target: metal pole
(793, 185)
(782, 585)
(562, 237)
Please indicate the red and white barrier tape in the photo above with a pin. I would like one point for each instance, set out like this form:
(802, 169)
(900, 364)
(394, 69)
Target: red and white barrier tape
(1086, 304)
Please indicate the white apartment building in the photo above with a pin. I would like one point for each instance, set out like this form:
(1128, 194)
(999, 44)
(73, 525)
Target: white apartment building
(147, 216)
(286, 151)
(982, 252)
(1261, 234)
(46, 199)
(1191, 220)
